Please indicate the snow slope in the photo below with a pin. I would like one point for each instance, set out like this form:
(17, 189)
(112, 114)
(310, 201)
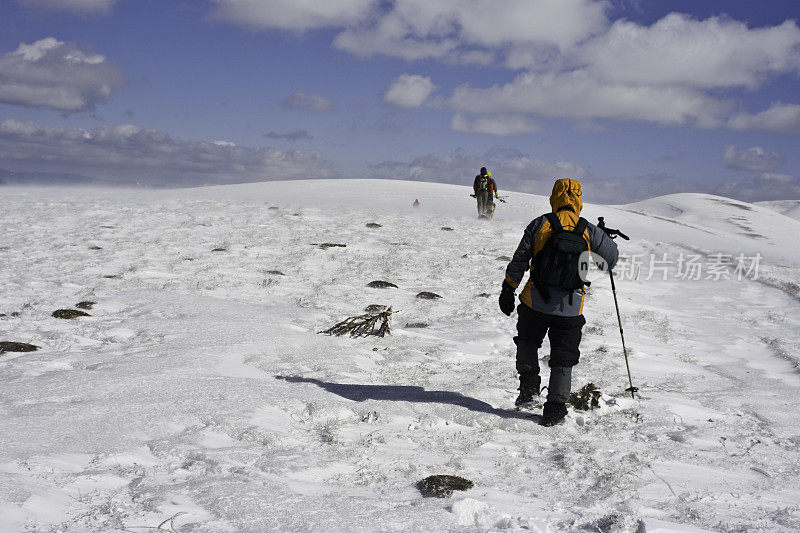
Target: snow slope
(790, 208)
(200, 391)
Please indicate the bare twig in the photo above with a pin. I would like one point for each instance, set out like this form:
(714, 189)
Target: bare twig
(362, 325)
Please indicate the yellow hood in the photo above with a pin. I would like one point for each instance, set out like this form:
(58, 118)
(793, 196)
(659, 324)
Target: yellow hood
(567, 192)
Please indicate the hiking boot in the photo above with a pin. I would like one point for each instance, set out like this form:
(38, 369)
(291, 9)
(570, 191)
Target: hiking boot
(528, 389)
(553, 413)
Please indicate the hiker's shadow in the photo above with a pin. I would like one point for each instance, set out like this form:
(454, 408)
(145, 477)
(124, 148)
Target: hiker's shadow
(407, 393)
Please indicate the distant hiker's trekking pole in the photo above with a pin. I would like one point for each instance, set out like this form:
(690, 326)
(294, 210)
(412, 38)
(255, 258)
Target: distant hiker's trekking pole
(614, 233)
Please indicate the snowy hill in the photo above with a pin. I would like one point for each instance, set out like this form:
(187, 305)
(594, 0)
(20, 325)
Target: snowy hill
(200, 390)
(790, 208)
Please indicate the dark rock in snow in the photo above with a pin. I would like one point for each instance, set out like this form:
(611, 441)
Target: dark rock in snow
(373, 225)
(69, 314)
(504, 258)
(220, 249)
(112, 276)
(95, 247)
(417, 325)
(425, 295)
(275, 272)
(376, 308)
(484, 295)
(442, 486)
(446, 228)
(8, 346)
(378, 284)
(85, 305)
(326, 245)
(273, 207)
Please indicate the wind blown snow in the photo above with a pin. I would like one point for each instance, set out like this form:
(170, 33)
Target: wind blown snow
(198, 396)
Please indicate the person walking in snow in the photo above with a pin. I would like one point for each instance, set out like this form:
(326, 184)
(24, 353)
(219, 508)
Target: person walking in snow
(484, 187)
(551, 302)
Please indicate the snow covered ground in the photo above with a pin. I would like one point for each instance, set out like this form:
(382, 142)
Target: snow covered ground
(200, 391)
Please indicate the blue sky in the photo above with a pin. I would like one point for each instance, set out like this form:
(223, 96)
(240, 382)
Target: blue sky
(634, 98)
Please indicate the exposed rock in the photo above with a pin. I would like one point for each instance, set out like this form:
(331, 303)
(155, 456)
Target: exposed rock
(425, 295)
(378, 284)
(442, 486)
(275, 272)
(95, 247)
(504, 258)
(219, 249)
(373, 225)
(273, 207)
(85, 305)
(112, 276)
(417, 325)
(376, 308)
(484, 295)
(8, 346)
(326, 245)
(446, 228)
(69, 314)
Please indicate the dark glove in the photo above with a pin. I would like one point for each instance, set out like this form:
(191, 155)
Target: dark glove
(507, 301)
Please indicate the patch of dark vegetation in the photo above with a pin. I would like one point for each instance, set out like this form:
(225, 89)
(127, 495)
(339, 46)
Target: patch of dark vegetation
(442, 486)
(373, 225)
(86, 304)
(484, 295)
(587, 398)
(378, 284)
(504, 258)
(10, 346)
(730, 203)
(275, 272)
(326, 245)
(362, 325)
(219, 249)
(446, 228)
(417, 325)
(376, 308)
(95, 247)
(594, 330)
(69, 314)
(425, 295)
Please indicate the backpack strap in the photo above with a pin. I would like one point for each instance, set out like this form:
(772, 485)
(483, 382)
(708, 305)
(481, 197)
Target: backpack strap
(555, 223)
(581, 227)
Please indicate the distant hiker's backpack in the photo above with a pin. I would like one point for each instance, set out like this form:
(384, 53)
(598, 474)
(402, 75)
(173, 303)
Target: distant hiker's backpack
(557, 263)
(483, 183)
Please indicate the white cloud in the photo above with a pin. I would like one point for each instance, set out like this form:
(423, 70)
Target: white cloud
(52, 73)
(129, 153)
(752, 159)
(468, 30)
(308, 102)
(80, 7)
(409, 90)
(579, 95)
(296, 15)
(716, 52)
(493, 125)
(780, 178)
(767, 186)
(779, 118)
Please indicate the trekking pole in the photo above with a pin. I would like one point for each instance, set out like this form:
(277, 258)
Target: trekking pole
(613, 234)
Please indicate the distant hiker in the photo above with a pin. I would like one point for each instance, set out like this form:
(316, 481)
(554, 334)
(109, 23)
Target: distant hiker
(552, 299)
(484, 187)
(416, 202)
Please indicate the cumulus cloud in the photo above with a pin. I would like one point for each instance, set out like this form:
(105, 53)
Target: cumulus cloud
(291, 136)
(408, 90)
(79, 7)
(579, 95)
(512, 169)
(308, 102)
(469, 30)
(129, 153)
(779, 118)
(56, 74)
(716, 52)
(767, 186)
(493, 125)
(753, 159)
(296, 15)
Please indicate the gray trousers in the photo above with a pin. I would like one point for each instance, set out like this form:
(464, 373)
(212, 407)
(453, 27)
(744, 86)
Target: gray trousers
(485, 203)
